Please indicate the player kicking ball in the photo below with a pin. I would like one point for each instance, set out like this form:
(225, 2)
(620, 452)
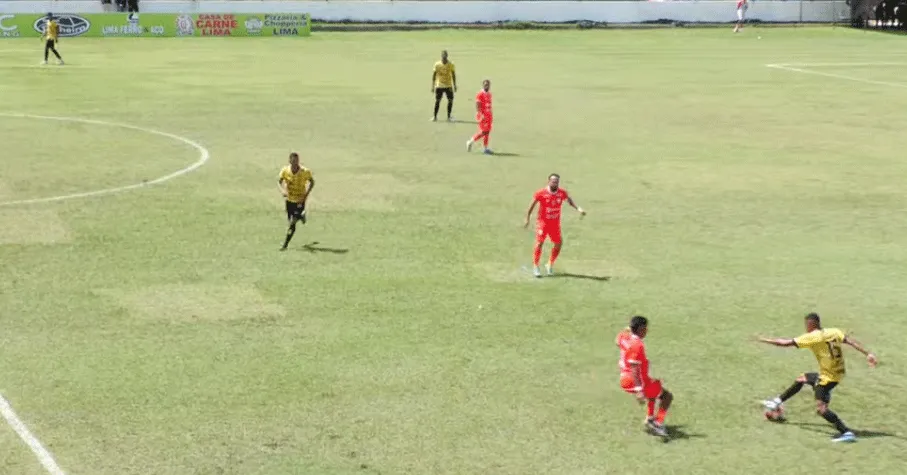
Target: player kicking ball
(634, 375)
(825, 343)
(550, 200)
(484, 117)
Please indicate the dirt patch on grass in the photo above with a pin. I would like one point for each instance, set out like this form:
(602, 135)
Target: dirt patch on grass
(506, 272)
(32, 226)
(196, 302)
(355, 192)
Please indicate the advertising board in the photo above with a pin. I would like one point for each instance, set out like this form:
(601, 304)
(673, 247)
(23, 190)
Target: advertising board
(112, 25)
(244, 24)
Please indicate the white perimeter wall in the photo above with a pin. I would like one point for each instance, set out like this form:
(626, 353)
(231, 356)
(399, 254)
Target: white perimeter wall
(478, 11)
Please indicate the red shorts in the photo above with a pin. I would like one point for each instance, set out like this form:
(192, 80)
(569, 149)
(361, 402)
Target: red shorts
(548, 230)
(484, 123)
(651, 389)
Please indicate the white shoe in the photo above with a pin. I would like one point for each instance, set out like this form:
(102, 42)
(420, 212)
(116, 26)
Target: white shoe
(450, 119)
(469, 145)
(549, 269)
(60, 62)
(659, 429)
(44, 62)
(433, 119)
(772, 404)
(845, 437)
(536, 271)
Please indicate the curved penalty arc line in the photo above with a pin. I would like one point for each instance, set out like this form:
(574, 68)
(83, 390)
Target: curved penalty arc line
(204, 156)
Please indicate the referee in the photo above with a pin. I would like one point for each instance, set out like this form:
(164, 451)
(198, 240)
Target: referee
(444, 83)
(51, 35)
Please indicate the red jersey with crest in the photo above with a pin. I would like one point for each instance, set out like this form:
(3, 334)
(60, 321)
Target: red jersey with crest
(550, 205)
(740, 4)
(483, 98)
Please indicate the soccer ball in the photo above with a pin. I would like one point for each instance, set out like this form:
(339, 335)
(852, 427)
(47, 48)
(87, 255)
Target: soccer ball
(775, 415)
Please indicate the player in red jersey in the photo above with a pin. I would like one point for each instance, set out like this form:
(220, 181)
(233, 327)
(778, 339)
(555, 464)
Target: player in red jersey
(484, 117)
(550, 200)
(742, 6)
(634, 375)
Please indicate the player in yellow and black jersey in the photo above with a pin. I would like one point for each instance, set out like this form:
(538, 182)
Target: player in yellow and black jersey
(51, 37)
(295, 183)
(825, 344)
(444, 83)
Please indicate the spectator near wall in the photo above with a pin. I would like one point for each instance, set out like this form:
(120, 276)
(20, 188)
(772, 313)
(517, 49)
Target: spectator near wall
(122, 6)
(900, 14)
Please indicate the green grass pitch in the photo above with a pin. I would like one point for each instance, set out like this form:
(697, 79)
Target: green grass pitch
(160, 331)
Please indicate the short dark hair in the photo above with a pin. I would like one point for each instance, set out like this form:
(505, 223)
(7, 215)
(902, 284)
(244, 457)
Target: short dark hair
(637, 323)
(294, 154)
(814, 317)
(554, 175)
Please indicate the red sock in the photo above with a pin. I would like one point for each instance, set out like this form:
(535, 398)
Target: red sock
(485, 141)
(555, 251)
(476, 137)
(650, 409)
(537, 256)
(662, 412)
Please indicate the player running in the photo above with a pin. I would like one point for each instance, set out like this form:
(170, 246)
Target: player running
(825, 343)
(634, 375)
(484, 117)
(548, 225)
(742, 6)
(444, 83)
(295, 183)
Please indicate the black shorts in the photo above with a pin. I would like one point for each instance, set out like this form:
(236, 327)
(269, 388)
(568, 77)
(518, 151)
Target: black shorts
(50, 44)
(444, 91)
(295, 210)
(822, 391)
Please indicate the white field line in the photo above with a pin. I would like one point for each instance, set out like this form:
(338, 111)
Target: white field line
(6, 409)
(204, 155)
(832, 65)
(802, 68)
(46, 459)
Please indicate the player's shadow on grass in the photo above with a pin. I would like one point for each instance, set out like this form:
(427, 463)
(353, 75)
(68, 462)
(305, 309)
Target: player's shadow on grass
(505, 154)
(458, 121)
(827, 429)
(568, 275)
(677, 433)
(314, 247)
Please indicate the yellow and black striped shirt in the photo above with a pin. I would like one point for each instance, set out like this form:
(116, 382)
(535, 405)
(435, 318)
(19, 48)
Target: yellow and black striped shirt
(297, 183)
(51, 30)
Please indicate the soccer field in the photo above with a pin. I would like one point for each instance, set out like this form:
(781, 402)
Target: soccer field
(158, 330)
